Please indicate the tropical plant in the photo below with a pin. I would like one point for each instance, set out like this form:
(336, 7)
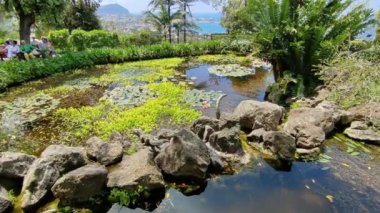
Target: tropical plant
(378, 26)
(297, 35)
(165, 15)
(81, 14)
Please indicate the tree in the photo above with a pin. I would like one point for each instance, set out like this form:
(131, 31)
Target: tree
(81, 14)
(163, 20)
(378, 26)
(28, 12)
(161, 5)
(296, 35)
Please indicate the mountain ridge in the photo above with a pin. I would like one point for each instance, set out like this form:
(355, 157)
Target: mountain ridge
(113, 9)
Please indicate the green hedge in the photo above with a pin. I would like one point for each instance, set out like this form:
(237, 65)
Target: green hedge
(81, 40)
(14, 72)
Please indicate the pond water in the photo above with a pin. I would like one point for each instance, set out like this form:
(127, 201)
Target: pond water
(339, 183)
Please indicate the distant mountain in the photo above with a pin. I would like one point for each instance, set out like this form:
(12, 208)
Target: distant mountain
(113, 9)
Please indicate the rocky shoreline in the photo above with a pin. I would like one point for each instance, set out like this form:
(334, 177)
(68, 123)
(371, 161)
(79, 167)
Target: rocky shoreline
(209, 147)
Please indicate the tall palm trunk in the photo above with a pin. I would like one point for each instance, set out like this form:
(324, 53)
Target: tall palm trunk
(184, 22)
(170, 25)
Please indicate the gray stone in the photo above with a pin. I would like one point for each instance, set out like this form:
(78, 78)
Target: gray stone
(186, 156)
(80, 184)
(5, 202)
(227, 140)
(135, 170)
(307, 135)
(359, 125)
(308, 153)
(255, 115)
(256, 135)
(105, 153)
(199, 126)
(55, 161)
(15, 165)
(216, 164)
(228, 120)
(165, 134)
(359, 132)
(316, 116)
(281, 144)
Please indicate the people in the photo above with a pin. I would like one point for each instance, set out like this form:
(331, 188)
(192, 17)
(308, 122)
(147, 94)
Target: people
(46, 48)
(26, 50)
(3, 51)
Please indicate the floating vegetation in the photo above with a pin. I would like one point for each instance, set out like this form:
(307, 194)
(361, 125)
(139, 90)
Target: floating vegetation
(25, 111)
(222, 59)
(324, 158)
(354, 148)
(198, 98)
(232, 70)
(129, 96)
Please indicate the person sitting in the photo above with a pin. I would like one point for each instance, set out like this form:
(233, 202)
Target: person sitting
(27, 50)
(35, 42)
(3, 51)
(8, 49)
(46, 48)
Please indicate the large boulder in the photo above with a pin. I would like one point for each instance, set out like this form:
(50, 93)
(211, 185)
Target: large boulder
(135, 170)
(80, 184)
(55, 161)
(308, 136)
(227, 140)
(319, 117)
(105, 153)
(15, 165)
(361, 131)
(5, 202)
(281, 144)
(186, 156)
(256, 135)
(254, 115)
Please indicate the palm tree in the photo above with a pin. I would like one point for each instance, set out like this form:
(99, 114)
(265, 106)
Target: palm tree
(164, 5)
(163, 20)
(186, 11)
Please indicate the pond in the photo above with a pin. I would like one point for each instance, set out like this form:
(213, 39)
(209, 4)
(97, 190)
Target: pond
(74, 109)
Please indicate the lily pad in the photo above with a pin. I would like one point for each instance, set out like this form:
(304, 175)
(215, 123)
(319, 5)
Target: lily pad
(198, 98)
(129, 96)
(232, 70)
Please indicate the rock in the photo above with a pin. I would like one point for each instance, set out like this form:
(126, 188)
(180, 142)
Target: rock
(199, 126)
(254, 115)
(280, 143)
(216, 165)
(228, 120)
(227, 140)
(256, 135)
(308, 153)
(64, 158)
(135, 170)
(186, 156)
(165, 134)
(55, 161)
(316, 116)
(105, 153)
(15, 165)
(307, 135)
(361, 131)
(369, 112)
(5, 202)
(116, 137)
(80, 184)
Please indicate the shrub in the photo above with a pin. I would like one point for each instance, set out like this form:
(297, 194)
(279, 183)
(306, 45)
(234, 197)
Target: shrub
(140, 39)
(59, 39)
(359, 45)
(81, 40)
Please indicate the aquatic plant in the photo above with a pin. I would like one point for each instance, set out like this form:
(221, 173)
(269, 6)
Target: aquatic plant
(126, 197)
(232, 70)
(168, 107)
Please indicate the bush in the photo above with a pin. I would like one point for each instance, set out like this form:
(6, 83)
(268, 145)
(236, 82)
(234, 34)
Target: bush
(13, 72)
(81, 40)
(59, 39)
(359, 45)
(140, 39)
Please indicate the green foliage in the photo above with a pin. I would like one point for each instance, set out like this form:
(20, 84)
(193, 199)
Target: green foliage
(298, 35)
(169, 107)
(359, 45)
(140, 39)
(59, 39)
(126, 197)
(352, 80)
(81, 40)
(13, 72)
(81, 14)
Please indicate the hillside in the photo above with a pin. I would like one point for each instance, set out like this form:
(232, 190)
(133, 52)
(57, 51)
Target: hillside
(113, 9)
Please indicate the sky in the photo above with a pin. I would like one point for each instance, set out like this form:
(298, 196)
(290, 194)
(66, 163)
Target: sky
(138, 6)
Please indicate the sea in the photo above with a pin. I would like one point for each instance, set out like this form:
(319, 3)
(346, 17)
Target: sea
(210, 23)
